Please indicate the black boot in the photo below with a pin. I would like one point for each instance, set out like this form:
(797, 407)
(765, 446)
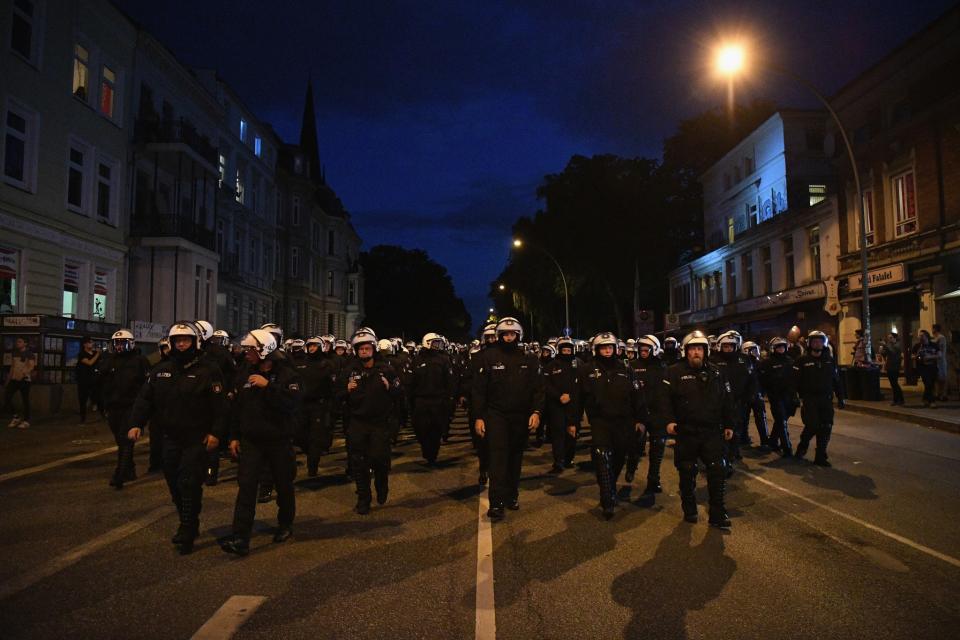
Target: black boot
(760, 418)
(802, 447)
(658, 447)
(688, 486)
(716, 486)
(381, 482)
(786, 449)
(823, 439)
(482, 479)
(236, 545)
(361, 476)
(633, 460)
(608, 497)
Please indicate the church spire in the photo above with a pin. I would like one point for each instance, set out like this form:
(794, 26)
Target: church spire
(308, 135)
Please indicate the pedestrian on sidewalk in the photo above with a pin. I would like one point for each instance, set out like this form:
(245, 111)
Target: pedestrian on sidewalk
(941, 341)
(22, 364)
(88, 365)
(892, 357)
(926, 356)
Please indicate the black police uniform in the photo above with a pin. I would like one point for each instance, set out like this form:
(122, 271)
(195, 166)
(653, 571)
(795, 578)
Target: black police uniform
(122, 375)
(263, 423)
(777, 380)
(507, 390)
(317, 375)
(816, 380)
(220, 357)
(431, 388)
(370, 410)
(480, 445)
(756, 406)
(561, 376)
(649, 372)
(738, 370)
(185, 396)
(614, 405)
(699, 401)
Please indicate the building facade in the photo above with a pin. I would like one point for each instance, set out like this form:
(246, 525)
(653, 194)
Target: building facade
(772, 234)
(903, 118)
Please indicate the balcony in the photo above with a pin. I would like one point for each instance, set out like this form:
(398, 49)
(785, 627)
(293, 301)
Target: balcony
(172, 226)
(167, 135)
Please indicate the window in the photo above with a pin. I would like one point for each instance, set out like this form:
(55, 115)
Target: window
(813, 235)
(314, 236)
(279, 207)
(25, 30)
(747, 261)
(198, 274)
(239, 195)
(331, 242)
(789, 267)
(817, 192)
(904, 199)
(255, 192)
(76, 168)
(251, 313)
(20, 148)
(352, 292)
(295, 211)
(220, 234)
(752, 219)
(294, 262)
(731, 280)
(748, 167)
(100, 290)
(71, 288)
(208, 289)
(866, 205)
(330, 283)
(766, 282)
(314, 322)
(258, 146)
(108, 88)
(107, 175)
(222, 162)
(81, 72)
(331, 325)
(9, 275)
(731, 231)
(267, 259)
(243, 129)
(235, 312)
(298, 165)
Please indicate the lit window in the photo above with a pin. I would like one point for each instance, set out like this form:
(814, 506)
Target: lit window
(223, 168)
(813, 234)
(731, 230)
(71, 289)
(904, 203)
(81, 72)
(108, 87)
(866, 206)
(9, 273)
(243, 129)
(258, 146)
(100, 291)
(817, 192)
(239, 195)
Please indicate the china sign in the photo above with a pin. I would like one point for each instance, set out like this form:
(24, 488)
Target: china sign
(879, 277)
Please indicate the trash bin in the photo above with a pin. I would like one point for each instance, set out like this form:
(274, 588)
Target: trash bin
(870, 383)
(851, 381)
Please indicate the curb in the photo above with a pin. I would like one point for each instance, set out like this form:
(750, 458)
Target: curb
(924, 421)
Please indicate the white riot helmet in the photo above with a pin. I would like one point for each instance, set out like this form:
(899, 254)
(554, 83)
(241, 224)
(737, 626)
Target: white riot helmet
(363, 336)
(204, 329)
(385, 346)
(604, 339)
(122, 340)
(651, 342)
(510, 324)
(489, 332)
(432, 341)
(260, 341)
(327, 342)
(220, 337)
(750, 348)
(695, 338)
(778, 342)
(341, 344)
(730, 337)
(549, 351)
(567, 342)
(818, 334)
(670, 343)
(275, 330)
(314, 340)
(297, 345)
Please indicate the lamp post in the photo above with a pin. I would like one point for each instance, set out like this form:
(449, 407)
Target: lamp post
(730, 61)
(518, 243)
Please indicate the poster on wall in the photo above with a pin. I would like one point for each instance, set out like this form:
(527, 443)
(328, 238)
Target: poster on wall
(9, 341)
(71, 352)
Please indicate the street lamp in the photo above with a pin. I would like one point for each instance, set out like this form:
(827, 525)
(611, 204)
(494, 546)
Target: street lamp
(730, 60)
(518, 243)
(502, 287)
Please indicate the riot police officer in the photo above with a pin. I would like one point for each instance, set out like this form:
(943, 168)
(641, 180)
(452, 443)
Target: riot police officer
(738, 371)
(816, 375)
(431, 389)
(615, 410)
(121, 377)
(316, 374)
(508, 401)
(185, 395)
(562, 407)
(698, 409)
(670, 352)
(371, 392)
(751, 350)
(649, 370)
(266, 395)
(778, 382)
(214, 350)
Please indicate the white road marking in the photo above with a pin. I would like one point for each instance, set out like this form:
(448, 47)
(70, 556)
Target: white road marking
(486, 625)
(863, 523)
(229, 618)
(30, 578)
(19, 473)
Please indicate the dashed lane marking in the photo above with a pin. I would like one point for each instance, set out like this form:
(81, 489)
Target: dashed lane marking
(229, 618)
(30, 578)
(863, 523)
(486, 623)
(19, 473)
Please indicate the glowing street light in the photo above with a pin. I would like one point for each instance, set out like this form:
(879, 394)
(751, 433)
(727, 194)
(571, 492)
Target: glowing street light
(518, 243)
(502, 287)
(730, 60)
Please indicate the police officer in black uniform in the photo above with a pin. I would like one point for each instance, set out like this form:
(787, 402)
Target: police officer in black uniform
(371, 392)
(779, 383)
(508, 401)
(670, 352)
(431, 388)
(266, 397)
(121, 376)
(649, 369)
(755, 404)
(816, 375)
(698, 409)
(213, 344)
(738, 370)
(615, 410)
(562, 408)
(184, 394)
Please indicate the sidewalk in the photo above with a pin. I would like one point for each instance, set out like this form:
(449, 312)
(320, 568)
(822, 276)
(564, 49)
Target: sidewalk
(945, 416)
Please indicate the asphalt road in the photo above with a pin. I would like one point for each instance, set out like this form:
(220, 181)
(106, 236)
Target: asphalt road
(867, 549)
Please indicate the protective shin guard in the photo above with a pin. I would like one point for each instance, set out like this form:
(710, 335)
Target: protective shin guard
(688, 486)
(716, 486)
(602, 462)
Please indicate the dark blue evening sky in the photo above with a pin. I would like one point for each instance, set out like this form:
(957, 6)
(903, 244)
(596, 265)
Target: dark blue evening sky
(438, 119)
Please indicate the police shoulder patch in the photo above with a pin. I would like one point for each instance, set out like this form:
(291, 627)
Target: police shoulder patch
(164, 374)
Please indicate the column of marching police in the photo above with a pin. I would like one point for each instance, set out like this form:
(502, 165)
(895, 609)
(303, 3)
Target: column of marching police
(261, 399)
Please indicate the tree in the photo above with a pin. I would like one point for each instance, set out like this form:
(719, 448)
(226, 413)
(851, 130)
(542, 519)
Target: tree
(408, 295)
